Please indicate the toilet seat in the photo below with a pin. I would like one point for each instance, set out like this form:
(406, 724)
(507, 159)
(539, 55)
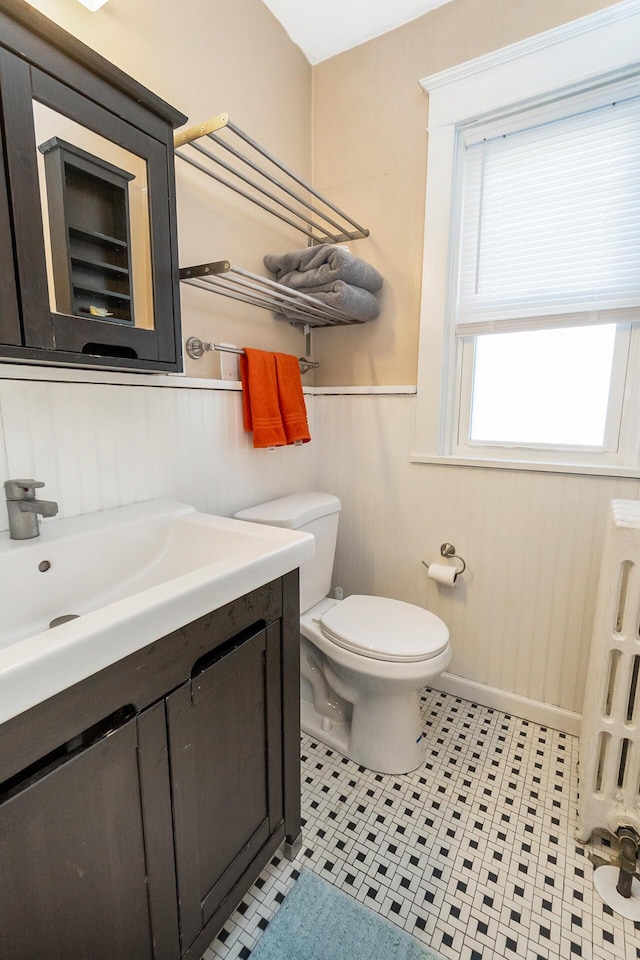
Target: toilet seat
(384, 629)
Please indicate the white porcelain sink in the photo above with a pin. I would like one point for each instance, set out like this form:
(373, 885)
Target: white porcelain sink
(132, 575)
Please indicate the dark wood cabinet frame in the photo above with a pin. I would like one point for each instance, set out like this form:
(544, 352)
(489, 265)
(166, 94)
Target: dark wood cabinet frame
(159, 690)
(10, 328)
(39, 60)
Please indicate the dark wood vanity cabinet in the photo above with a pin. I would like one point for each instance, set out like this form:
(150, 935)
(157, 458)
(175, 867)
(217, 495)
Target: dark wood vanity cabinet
(78, 284)
(137, 807)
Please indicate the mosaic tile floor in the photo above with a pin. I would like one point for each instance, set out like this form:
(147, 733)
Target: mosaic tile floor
(474, 854)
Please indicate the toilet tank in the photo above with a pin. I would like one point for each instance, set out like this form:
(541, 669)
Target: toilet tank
(315, 513)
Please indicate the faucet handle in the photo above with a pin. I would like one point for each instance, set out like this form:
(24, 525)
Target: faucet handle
(21, 489)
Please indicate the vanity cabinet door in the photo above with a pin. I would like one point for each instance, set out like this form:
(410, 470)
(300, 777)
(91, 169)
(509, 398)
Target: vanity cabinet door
(225, 740)
(77, 855)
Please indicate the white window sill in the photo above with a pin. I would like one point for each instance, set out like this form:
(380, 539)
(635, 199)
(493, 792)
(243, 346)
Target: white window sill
(531, 466)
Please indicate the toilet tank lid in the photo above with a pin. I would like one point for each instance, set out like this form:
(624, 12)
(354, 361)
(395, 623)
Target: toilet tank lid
(292, 511)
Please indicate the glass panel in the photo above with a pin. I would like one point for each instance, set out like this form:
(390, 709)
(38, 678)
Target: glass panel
(95, 214)
(543, 387)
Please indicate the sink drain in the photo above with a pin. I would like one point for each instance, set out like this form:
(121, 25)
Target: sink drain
(58, 621)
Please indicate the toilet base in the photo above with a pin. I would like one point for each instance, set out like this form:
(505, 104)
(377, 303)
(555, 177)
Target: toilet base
(336, 735)
(370, 752)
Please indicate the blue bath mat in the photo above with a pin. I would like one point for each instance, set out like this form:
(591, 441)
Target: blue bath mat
(318, 922)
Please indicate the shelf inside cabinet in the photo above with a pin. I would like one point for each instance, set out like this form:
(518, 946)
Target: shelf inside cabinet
(107, 294)
(99, 266)
(101, 239)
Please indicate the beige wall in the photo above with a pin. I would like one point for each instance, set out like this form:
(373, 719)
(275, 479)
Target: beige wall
(366, 118)
(206, 57)
(369, 133)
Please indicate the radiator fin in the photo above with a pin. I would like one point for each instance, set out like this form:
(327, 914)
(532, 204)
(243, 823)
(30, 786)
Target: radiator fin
(610, 738)
(602, 759)
(632, 701)
(622, 766)
(614, 656)
(625, 569)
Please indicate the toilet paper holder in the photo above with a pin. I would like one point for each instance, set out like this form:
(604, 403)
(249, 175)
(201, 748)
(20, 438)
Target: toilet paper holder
(448, 550)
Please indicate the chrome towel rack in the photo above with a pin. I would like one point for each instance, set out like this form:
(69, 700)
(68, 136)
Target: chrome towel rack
(196, 348)
(323, 223)
(238, 284)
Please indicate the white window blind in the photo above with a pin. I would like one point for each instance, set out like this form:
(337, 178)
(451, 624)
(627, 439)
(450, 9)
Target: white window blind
(550, 231)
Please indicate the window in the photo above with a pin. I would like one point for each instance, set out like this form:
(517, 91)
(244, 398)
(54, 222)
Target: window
(548, 387)
(535, 302)
(548, 264)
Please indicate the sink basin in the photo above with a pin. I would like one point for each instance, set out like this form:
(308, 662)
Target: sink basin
(125, 577)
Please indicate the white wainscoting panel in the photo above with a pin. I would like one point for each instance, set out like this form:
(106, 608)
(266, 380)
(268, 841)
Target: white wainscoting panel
(102, 445)
(521, 616)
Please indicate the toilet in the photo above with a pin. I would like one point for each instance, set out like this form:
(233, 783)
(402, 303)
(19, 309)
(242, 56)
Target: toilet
(363, 660)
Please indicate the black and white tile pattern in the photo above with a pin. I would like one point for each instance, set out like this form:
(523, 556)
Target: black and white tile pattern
(474, 854)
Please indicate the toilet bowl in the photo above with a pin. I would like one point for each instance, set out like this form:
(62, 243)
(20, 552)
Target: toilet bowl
(363, 660)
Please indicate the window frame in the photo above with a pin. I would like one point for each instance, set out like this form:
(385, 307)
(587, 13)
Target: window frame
(567, 61)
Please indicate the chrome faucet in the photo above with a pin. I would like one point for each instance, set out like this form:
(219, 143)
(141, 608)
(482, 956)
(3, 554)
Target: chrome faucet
(24, 509)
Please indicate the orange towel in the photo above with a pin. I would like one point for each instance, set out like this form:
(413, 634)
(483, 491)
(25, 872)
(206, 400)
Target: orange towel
(291, 399)
(260, 405)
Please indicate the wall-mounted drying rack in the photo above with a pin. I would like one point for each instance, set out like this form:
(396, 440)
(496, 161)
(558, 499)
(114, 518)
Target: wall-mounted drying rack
(196, 348)
(238, 284)
(326, 223)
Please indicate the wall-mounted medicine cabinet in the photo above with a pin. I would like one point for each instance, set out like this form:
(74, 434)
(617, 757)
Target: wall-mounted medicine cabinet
(88, 248)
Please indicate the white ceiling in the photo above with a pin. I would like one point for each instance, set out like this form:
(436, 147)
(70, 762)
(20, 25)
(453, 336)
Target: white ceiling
(322, 28)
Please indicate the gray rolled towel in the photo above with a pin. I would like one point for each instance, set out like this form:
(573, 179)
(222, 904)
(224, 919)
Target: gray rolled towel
(354, 302)
(320, 265)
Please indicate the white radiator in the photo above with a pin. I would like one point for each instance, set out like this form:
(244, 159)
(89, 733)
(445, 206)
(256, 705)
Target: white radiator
(610, 736)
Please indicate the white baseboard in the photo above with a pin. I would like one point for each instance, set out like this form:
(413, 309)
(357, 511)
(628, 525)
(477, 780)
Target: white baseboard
(543, 713)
